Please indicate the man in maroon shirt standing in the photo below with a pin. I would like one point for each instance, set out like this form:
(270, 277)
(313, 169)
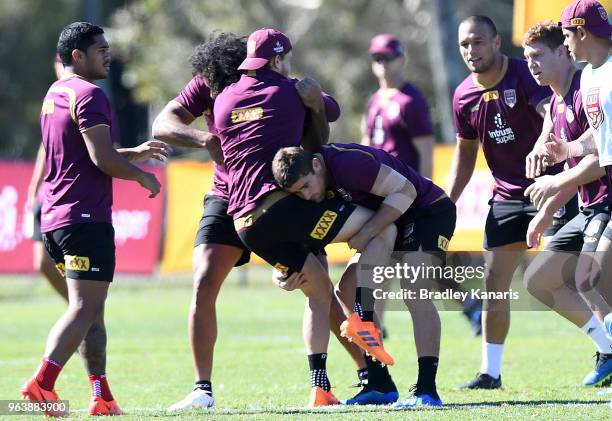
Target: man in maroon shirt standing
(78, 132)
(499, 105)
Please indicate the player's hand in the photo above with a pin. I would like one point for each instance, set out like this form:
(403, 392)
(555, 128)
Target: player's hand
(150, 182)
(359, 241)
(556, 150)
(534, 163)
(30, 202)
(213, 145)
(153, 149)
(310, 92)
(538, 224)
(290, 283)
(541, 190)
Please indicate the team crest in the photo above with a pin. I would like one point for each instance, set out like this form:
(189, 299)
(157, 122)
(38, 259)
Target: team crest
(593, 108)
(510, 97)
(393, 110)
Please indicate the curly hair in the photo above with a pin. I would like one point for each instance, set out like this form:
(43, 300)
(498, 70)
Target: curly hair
(549, 33)
(217, 60)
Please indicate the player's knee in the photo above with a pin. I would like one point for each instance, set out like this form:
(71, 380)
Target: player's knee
(533, 279)
(586, 280)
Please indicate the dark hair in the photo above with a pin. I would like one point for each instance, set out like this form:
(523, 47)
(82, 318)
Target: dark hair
(548, 33)
(290, 164)
(485, 20)
(218, 59)
(76, 36)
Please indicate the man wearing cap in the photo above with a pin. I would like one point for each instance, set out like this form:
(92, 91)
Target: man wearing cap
(255, 117)
(499, 105)
(587, 32)
(397, 115)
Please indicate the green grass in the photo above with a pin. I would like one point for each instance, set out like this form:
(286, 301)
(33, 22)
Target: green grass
(260, 369)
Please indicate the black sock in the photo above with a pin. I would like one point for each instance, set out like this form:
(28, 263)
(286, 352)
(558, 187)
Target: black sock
(378, 376)
(318, 372)
(426, 382)
(205, 385)
(362, 374)
(364, 303)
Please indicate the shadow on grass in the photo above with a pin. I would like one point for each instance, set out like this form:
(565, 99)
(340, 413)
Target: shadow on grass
(365, 409)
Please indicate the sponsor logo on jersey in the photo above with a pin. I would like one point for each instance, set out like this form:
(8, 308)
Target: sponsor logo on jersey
(593, 108)
(510, 97)
(502, 134)
(490, 96)
(78, 263)
(324, 224)
(344, 194)
(247, 114)
(442, 242)
(48, 107)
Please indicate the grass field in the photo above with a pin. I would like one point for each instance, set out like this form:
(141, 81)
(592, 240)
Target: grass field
(260, 369)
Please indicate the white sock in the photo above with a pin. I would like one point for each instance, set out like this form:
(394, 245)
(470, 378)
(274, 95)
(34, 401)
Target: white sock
(491, 359)
(595, 331)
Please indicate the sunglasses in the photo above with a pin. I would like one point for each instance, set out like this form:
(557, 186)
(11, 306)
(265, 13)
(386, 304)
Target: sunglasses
(382, 58)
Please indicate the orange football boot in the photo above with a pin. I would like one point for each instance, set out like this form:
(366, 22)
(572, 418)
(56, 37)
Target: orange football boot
(319, 397)
(367, 337)
(99, 406)
(32, 391)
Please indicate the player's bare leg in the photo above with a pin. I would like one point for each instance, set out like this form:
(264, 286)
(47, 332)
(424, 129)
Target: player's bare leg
(501, 262)
(45, 264)
(550, 278)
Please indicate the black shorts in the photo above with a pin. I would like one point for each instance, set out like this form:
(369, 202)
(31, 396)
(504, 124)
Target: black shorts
(83, 251)
(37, 213)
(284, 228)
(217, 227)
(583, 232)
(428, 229)
(508, 221)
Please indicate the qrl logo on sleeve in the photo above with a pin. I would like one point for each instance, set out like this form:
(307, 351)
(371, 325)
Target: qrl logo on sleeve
(324, 225)
(78, 263)
(593, 108)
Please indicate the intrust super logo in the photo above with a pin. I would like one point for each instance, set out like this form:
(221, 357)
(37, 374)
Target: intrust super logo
(324, 225)
(247, 114)
(78, 263)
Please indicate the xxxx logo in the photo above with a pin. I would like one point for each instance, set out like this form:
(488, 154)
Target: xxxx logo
(78, 263)
(593, 108)
(324, 225)
(247, 114)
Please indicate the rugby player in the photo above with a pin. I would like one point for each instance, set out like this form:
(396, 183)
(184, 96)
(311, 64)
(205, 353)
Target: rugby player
(499, 105)
(397, 121)
(551, 276)
(587, 34)
(425, 217)
(255, 117)
(78, 131)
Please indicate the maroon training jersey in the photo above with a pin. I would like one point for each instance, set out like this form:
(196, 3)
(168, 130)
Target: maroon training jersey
(352, 170)
(255, 117)
(394, 117)
(75, 190)
(195, 97)
(503, 117)
(570, 121)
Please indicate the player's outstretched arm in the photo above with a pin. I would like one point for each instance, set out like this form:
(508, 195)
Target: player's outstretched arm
(172, 125)
(558, 150)
(109, 161)
(464, 162)
(152, 149)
